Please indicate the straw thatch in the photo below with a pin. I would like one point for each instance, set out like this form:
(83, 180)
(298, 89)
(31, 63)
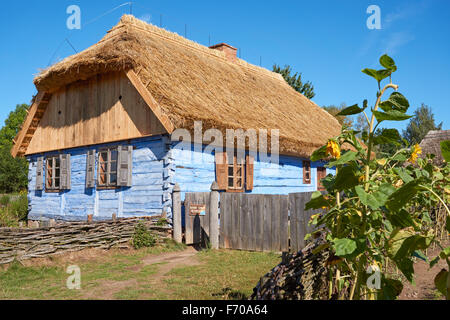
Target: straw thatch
(192, 82)
(431, 144)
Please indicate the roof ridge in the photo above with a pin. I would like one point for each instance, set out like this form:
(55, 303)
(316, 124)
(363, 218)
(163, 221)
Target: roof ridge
(433, 133)
(129, 20)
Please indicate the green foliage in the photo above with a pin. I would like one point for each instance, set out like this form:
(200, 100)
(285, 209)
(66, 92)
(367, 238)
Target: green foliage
(295, 81)
(162, 222)
(142, 238)
(355, 109)
(387, 141)
(440, 282)
(418, 127)
(348, 248)
(20, 207)
(13, 211)
(445, 149)
(334, 111)
(390, 289)
(360, 124)
(13, 172)
(4, 200)
(12, 124)
(388, 63)
(376, 203)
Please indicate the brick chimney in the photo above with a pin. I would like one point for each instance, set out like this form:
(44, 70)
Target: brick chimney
(230, 52)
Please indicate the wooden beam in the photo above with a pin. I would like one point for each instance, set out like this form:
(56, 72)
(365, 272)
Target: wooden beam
(28, 120)
(151, 102)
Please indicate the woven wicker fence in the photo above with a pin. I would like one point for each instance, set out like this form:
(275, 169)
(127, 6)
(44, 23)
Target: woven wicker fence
(301, 277)
(22, 244)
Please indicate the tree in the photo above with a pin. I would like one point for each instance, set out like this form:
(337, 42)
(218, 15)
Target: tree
(295, 81)
(420, 124)
(13, 172)
(388, 148)
(334, 110)
(361, 124)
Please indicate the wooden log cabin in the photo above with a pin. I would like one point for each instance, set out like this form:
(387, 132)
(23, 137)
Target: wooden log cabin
(98, 133)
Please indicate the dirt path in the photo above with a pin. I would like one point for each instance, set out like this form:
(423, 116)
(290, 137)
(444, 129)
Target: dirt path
(172, 260)
(165, 263)
(424, 288)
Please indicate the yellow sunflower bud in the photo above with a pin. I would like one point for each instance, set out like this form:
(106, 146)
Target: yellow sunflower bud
(416, 150)
(333, 149)
(398, 184)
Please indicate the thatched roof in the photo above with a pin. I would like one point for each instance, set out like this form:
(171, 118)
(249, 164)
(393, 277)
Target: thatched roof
(431, 144)
(192, 82)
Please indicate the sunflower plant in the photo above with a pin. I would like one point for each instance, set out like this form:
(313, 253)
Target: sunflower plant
(378, 209)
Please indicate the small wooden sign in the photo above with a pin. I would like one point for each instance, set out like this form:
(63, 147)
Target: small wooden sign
(197, 210)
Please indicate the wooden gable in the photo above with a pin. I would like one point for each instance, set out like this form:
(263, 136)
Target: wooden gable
(103, 109)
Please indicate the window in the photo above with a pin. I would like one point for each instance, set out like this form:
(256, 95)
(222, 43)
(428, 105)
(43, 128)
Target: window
(57, 173)
(235, 175)
(107, 167)
(53, 174)
(115, 167)
(321, 174)
(307, 172)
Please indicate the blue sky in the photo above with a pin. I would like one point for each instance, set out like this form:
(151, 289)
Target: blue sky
(328, 41)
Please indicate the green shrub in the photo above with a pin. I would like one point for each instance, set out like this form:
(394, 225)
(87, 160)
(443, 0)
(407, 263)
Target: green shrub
(20, 207)
(4, 200)
(142, 238)
(162, 222)
(7, 218)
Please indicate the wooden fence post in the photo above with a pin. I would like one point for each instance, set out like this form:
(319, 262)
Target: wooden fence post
(176, 205)
(214, 216)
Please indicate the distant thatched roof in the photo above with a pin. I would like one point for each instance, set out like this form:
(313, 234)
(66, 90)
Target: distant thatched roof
(192, 82)
(432, 144)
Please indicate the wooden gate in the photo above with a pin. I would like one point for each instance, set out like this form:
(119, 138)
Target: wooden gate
(254, 222)
(299, 219)
(196, 214)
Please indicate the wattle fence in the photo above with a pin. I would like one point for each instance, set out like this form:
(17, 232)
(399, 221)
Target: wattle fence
(22, 244)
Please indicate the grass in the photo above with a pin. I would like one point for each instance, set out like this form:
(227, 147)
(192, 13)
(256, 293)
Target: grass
(121, 274)
(11, 212)
(223, 275)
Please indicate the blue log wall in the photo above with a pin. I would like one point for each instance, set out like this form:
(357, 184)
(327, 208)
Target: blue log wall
(195, 172)
(157, 166)
(149, 195)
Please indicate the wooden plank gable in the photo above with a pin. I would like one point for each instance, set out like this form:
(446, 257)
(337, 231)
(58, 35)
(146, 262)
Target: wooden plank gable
(105, 108)
(30, 125)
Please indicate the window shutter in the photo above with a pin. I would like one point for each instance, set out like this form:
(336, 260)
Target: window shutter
(249, 169)
(321, 174)
(39, 173)
(222, 170)
(64, 160)
(90, 168)
(125, 166)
